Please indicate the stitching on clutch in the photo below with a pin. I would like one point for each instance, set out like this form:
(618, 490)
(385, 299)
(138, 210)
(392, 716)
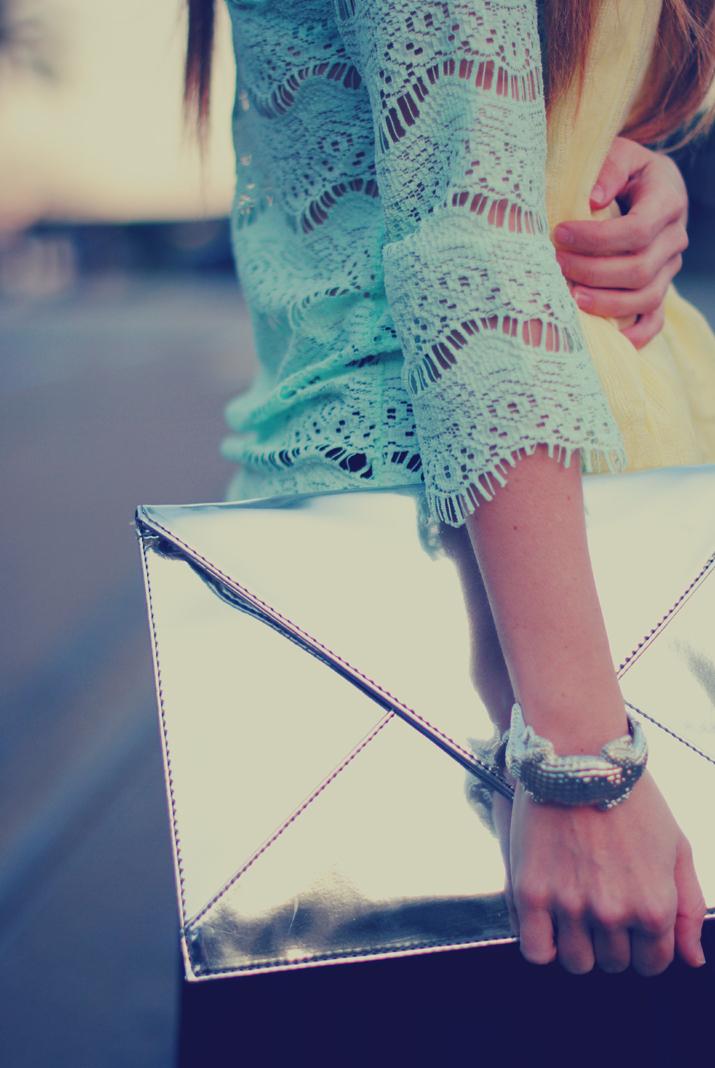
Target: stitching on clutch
(371, 951)
(355, 751)
(664, 620)
(672, 733)
(170, 776)
(364, 951)
(232, 582)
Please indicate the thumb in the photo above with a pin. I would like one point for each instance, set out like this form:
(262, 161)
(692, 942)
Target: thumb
(691, 907)
(621, 162)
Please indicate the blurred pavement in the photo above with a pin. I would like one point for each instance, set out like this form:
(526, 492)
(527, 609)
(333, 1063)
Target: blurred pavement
(112, 397)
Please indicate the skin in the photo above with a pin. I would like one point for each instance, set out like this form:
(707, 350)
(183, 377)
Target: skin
(623, 266)
(585, 888)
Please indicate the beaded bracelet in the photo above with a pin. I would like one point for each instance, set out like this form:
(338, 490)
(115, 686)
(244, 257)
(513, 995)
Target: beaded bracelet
(603, 780)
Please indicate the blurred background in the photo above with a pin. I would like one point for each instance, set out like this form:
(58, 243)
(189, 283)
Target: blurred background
(123, 334)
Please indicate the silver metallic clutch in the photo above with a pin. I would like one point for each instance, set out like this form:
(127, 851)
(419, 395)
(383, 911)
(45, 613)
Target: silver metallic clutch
(325, 677)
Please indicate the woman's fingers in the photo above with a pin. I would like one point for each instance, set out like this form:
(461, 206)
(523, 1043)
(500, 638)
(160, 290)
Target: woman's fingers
(653, 942)
(608, 237)
(652, 187)
(612, 890)
(536, 933)
(620, 303)
(574, 941)
(646, 327)
(613, 948)
(624, 158)
(691, 908)
(580, 945)
(633, 271)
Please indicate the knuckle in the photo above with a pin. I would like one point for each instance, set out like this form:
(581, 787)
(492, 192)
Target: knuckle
(610, 917)
(652, 299)
(640, 234)
(570, 906)
(587, 275)
(641, 272)
(530, 897)
(621, 172)
(656, 918)
(683, 240)
(614, 166)
(656, 923)
(621, 304)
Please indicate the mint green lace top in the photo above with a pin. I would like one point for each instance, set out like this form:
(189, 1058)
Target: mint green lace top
(389, 228)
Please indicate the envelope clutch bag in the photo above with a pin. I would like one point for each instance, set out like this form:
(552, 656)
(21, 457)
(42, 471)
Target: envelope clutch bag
(324, 682)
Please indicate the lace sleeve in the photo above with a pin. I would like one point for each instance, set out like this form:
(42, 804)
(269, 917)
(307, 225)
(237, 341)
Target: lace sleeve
(495, 361)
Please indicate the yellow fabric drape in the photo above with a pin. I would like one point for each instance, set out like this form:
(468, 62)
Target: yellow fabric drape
(662, 395)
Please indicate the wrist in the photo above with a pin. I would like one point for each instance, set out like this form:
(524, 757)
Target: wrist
(576, 724)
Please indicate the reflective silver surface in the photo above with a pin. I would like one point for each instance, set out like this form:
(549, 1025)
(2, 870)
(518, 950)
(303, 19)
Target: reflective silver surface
(321, 678)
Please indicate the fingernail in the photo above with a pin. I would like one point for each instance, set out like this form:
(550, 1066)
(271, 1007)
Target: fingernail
(598, 193)
(700, 957)
(584, 300)
(564, 235)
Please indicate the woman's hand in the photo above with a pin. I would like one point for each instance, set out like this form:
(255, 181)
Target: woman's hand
(613, 888)
(624, 266)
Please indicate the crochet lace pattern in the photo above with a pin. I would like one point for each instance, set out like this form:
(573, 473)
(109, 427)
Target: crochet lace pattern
(389, 229)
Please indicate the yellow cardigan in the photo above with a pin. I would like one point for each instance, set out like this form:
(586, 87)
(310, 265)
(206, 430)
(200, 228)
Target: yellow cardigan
(662, 395)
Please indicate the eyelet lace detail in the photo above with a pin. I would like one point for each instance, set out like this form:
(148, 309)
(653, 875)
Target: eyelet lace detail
(391, 209)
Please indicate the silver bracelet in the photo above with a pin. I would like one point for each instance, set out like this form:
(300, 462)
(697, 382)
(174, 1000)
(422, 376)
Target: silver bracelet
(603, 780)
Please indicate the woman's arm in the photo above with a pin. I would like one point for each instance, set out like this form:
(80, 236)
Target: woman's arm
(499, 373)
(616, 887)
(495, 361)
(626, 264)
(531, 545)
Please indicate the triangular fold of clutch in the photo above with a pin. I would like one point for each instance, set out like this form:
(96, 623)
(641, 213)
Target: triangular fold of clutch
(250, 724)
(670, 679)
(379, 611)
(347, 571)
(391, 858)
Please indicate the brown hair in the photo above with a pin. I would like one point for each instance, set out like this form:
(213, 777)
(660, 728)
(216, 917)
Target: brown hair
(678, 79)
(673, 100)
(197, 65)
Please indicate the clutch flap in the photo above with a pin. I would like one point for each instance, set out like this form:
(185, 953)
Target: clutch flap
(277, 766)
(347, 574)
